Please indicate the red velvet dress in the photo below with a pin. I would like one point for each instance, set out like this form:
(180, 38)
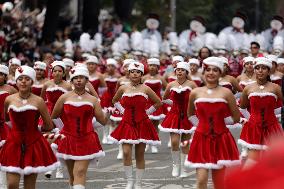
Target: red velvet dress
(213, 146)
(106, 99)
(172, 78)
(95, 81)
(243, 84)
(81, 142)
(116, 115)
(198, 81)
(262, 123)
(276, 79)
(52, 95)
(135, 126)
(226, 84)
(36, 89)
(26, 151)
(12, 83)
(4, 129)
(156, 86)
(176, 120)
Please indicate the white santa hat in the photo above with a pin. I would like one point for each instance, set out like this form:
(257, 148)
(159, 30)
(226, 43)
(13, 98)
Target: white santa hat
(92, 59)
(271, 57)
(4, 69)
(14, 61)
(111, 61)
(262, 61)
(248, 59)
(136, 66)
(194, 61)
(40, 65)
(7, 7)
(58, 63)
(127, 61)
(224, 60)
(178, 58)
(182, 65)
(214, 61)
(68, 62)
(280, 61)
(79, 70)
(153, 61)
(27, 71)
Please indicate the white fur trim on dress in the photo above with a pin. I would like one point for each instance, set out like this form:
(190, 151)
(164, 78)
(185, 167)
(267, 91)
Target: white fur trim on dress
(275, 77)
(179, 90)
(124, 82)
(85, 157)
(12, 82)
(222, 83)
(154, 81)
(111, 79)
(2, 142)
(245, 83)
(219, 165)
(3, 92)
(116, 119)
(135, 94)
(93, 78)
(128, 141)
(178, 131)
(252, 146)
(157, 117)
(22, 108)
(262, 94)
(210, 100)
(37, 86)
(195, 78)
(78, 104)
(29, 170)
(51, 89)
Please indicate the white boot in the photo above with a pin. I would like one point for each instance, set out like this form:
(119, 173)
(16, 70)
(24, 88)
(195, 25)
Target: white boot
(169, 143)
(147, 147)
(105, 134)
(129, 176)
(78, 186)
(48, 174)
(176, 163)
(59, 173)
(154, 149)
(3, 180)
(120, 152)
(139, 175)
(183, 173)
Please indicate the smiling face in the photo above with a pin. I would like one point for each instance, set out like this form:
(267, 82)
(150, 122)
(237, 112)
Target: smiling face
(249, 66)
(212, 74)
(261, 72)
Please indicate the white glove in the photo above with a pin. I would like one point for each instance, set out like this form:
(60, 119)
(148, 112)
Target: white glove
(96, 124)
(9, 123)
(150, 110)
(194, 120)
(58, 123)
(245, 113)
(119, 107)
(167, 101)
(229, 120)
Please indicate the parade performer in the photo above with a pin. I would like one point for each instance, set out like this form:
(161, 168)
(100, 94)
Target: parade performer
(14, 63)
(81, 143)
(262, 124)
(135, 127)
(275, 75)
(156, 82)
(248, 76)
(40, 68)
(170, 73)
(26, 152)
(176, 121)
(195, 76)
(69, 64)
(213, 147)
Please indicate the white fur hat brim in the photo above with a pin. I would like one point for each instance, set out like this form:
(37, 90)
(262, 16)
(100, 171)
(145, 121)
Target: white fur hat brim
(40, 65)
(14, 61)
(178, 58)
(79, 71)
(127, 61)
(262, 61)
(182, 65)
(248, 59)
(68, 62)
(271, 57)
(136, 66)
(92, 59)
(153, 61)
(214, 61)
(4, 69)
(25, 71)
(194, 61)
(58, 63)
(111, 61)
(280, 61)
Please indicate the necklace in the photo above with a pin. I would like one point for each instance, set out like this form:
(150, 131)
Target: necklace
(24, 99)
(79, 94)
(180, 84)
(133, 86)
(261, 86)
(210, 90)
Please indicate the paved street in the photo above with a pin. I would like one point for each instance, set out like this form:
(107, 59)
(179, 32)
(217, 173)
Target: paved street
(109, 173)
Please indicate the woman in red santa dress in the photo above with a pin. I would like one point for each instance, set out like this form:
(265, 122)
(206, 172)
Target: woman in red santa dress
(195, 76)
(96, 78)
(262, 124)
(116, 116)
(111, 78)
(14, 63)
(213, 146)
(26, 152)
(248, 76)
(51, 91)
(81, 144)
(176, 121)
(156, 82)
(40, 68)
(135, 127)
(275, 75)
(170, 73)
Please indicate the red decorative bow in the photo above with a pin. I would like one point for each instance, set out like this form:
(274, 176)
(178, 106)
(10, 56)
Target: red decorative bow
(72, 71)
(20, 69)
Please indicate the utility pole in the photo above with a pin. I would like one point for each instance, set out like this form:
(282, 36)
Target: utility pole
(173, 15)
(256, 15)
